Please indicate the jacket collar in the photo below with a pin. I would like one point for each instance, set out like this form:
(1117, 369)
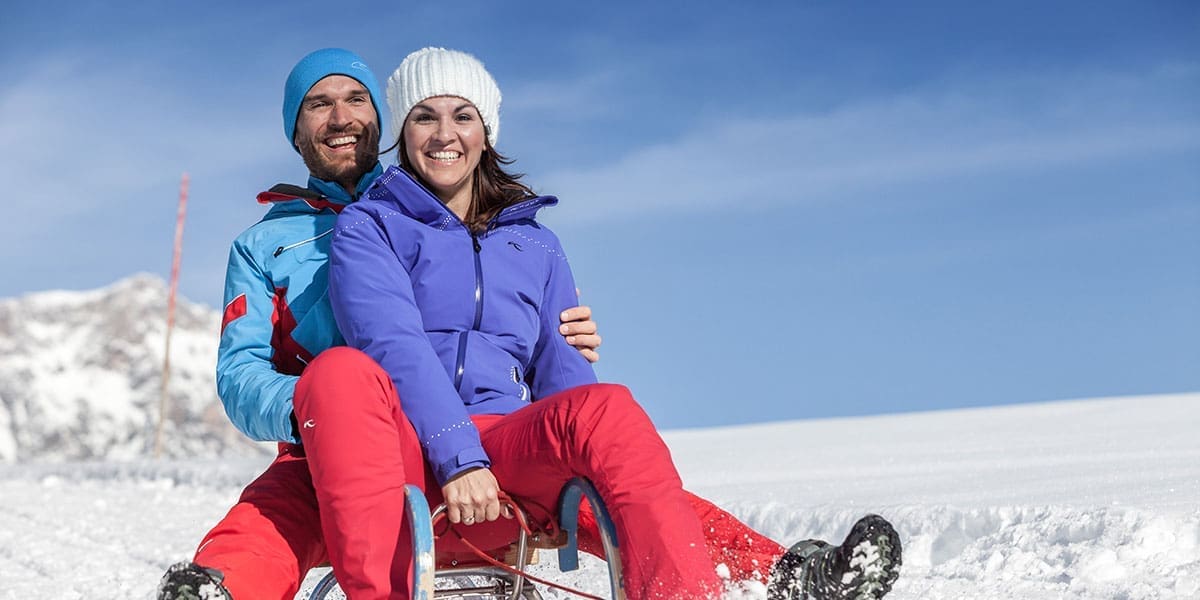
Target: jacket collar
(319, 195)
(335, 192)
(398, 186)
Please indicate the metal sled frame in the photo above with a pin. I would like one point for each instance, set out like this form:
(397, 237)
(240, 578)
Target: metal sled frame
(504, 585)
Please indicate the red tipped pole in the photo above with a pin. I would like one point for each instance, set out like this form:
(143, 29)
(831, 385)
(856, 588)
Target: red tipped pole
(166, 376)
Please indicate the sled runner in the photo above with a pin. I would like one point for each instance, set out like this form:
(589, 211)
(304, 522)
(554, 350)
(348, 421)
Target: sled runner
(457, 575)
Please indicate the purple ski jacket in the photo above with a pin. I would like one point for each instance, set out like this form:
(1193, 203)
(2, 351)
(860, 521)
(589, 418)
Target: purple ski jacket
(463, 323)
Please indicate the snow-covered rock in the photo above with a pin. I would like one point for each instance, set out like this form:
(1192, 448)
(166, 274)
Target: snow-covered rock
(81, 375)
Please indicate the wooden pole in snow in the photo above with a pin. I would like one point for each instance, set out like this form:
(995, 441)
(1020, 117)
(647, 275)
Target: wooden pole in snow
(166, 376)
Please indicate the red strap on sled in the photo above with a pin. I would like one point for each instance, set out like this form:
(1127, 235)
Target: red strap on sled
(551, 531)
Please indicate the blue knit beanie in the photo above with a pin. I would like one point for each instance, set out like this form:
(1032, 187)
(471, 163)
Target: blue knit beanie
(315, 67)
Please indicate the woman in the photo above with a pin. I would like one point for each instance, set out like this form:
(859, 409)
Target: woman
(450, 289)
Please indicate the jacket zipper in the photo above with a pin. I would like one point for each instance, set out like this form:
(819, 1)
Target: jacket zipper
(462, 337)
(282, 249)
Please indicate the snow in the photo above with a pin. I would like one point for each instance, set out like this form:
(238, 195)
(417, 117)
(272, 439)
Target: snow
(1091, 499)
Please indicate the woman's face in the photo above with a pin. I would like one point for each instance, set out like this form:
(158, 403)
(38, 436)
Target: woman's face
(444, 139)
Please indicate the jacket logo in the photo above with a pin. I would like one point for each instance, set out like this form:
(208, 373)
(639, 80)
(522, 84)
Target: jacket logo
(516, 245)
(309, 424)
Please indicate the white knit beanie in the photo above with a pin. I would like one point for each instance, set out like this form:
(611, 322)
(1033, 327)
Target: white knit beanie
(430, 72)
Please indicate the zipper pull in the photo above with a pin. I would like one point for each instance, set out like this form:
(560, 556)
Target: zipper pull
(277, 252)
(475, 241)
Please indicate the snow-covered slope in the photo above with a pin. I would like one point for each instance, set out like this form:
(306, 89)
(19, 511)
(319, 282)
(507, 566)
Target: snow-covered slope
(1095, 499)
(1086, 499)
(81, 375)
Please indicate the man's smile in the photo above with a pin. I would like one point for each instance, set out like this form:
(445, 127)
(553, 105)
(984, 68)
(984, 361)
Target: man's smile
(342, 142)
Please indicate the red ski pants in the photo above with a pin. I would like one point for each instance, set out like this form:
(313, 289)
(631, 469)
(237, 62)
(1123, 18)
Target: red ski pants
(347, 493)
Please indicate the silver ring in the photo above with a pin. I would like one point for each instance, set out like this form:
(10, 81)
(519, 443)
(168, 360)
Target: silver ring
(469, 520)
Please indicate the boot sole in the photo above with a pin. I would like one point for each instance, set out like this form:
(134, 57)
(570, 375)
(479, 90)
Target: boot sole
(874, 560)
(186, 581)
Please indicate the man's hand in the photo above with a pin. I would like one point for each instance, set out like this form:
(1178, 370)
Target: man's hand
(580, 331)
(473, 497)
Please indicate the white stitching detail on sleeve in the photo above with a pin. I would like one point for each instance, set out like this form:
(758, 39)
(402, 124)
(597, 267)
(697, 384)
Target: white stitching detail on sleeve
(459, 425)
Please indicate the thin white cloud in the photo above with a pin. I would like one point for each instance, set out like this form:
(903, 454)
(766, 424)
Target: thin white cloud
(580, 97)
(82, 137)
(97, 154)
(980, 129)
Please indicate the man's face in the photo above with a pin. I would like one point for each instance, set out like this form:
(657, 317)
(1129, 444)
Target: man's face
(337, 132)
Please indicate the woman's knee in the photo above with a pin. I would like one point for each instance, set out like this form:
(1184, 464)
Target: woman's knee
(340, 359)
(345, 373)
(608, 403)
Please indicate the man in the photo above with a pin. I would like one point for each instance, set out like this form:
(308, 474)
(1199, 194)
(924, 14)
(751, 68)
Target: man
(277, 318)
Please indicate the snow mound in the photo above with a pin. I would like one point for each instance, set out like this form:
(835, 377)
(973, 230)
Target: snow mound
(985, 511)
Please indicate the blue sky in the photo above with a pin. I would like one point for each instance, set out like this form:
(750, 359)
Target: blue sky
(778, 210)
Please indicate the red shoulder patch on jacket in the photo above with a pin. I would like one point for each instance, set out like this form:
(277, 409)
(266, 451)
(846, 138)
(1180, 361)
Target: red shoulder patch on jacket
(233, 311)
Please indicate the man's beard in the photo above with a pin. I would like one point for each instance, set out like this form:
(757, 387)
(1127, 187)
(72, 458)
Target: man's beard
(366, 154)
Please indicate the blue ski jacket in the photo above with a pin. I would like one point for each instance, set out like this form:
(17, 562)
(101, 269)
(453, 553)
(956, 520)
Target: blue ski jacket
(277, 315)
(464, 323)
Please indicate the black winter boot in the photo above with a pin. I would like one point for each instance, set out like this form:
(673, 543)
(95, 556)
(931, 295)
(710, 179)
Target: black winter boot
(864, 567)
(190, 581)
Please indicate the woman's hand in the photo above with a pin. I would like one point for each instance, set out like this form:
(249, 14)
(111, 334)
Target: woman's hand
(580, 331)
(472, 497)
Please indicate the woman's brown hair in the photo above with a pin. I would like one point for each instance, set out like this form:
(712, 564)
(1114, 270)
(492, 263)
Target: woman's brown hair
(493, 189)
